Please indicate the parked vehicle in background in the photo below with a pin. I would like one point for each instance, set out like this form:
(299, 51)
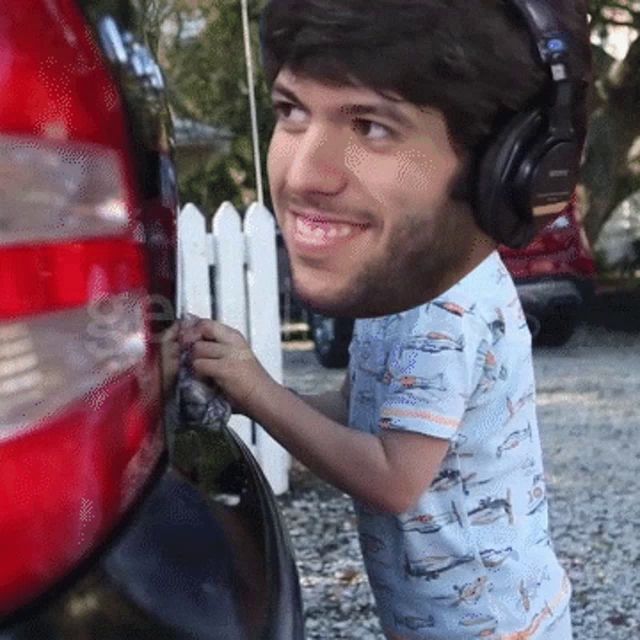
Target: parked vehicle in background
(103, 535)
(554, 277)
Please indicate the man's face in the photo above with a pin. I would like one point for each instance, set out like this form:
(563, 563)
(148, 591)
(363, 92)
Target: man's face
(360, 188)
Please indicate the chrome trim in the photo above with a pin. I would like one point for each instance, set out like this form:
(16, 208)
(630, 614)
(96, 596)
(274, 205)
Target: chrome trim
(112, 41)
(125, 51)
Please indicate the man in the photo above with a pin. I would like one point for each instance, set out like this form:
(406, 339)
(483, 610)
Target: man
(385, 111)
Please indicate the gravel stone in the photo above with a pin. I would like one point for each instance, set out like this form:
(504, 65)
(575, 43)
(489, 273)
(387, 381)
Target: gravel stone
(587, 393)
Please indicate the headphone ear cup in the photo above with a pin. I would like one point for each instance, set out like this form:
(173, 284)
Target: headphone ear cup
(547, 177)
(496, 205)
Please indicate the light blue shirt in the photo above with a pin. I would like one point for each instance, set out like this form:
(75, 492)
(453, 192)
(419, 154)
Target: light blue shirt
(473, 557)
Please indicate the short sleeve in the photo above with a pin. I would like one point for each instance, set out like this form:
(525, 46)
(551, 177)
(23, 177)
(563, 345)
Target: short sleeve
(432, 372)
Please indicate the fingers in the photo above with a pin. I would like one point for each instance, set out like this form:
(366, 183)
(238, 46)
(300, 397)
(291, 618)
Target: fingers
(208, 349)
(218, 351)
(171, 333)
(213, 330)
(171, 352)
(209, 330)
(169, 344)
(190, 332)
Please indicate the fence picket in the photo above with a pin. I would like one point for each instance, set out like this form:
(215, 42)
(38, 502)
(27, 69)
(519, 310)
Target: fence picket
(264, 326)
(229, 289)
(194, 281)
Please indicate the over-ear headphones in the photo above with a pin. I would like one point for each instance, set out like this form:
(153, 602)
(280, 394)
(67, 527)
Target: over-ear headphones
(531, 168)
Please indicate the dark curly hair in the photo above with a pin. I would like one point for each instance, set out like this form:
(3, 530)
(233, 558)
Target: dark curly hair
(474, 60)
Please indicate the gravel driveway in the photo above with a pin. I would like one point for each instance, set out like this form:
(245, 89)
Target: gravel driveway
(590, 424)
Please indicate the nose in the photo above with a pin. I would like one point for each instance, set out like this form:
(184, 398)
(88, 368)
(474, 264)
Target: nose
(317, 162)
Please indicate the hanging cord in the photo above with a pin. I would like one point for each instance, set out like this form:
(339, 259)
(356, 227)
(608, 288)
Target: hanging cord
(252, 100)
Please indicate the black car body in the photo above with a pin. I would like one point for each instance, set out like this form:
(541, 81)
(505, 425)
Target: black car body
(103, 534)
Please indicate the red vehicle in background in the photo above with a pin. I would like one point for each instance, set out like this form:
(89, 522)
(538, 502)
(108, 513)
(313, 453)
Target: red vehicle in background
(554, 277)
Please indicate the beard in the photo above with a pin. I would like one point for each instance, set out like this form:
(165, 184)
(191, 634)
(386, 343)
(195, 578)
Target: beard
(412, 270)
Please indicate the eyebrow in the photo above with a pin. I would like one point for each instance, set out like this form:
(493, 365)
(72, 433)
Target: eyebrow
(381, 109)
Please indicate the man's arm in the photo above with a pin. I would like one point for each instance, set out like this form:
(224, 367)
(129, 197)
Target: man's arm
(332, 404)
(389, 472)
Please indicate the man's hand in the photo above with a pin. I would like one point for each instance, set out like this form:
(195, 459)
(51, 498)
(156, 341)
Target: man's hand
(222, 353)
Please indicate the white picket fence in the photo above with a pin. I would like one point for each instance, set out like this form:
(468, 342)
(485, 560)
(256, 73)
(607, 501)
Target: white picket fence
(242, 294)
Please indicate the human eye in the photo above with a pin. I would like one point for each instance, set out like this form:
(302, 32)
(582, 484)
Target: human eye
(372, 130)
(288, 112)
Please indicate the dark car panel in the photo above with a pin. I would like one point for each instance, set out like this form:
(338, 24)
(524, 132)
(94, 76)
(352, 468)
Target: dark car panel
(202, 556)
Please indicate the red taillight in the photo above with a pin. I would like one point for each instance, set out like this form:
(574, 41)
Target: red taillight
(46, 277)
(79, 378)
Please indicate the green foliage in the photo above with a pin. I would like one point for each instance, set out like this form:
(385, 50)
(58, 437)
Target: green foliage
(209, 185)
(207, 82)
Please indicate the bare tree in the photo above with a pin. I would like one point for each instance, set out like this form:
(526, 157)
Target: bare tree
(611, 170)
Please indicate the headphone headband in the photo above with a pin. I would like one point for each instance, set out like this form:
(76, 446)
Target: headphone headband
(542, 22)
(551, 43)
(552, 48)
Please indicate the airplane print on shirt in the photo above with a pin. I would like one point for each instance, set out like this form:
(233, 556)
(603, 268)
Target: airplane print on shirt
(432, 567)
(429, 387)
(497, 327)
(449, 478)
(427, 522)
(436, 342)
(492, 372)
(468, 593)
(454, 308)
(514, 439)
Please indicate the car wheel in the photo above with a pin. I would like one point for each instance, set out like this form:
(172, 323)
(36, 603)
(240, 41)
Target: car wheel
(331, 337)
(556, 329)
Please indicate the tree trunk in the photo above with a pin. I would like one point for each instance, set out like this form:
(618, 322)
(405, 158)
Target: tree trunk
(607, 174)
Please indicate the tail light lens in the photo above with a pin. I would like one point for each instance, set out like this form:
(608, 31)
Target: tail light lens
(79, 374)
(52, 191)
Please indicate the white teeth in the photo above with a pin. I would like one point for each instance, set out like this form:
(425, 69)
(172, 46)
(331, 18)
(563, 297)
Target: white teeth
(316, 234)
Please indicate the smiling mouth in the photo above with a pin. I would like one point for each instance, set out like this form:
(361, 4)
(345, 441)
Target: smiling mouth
(320, 232)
